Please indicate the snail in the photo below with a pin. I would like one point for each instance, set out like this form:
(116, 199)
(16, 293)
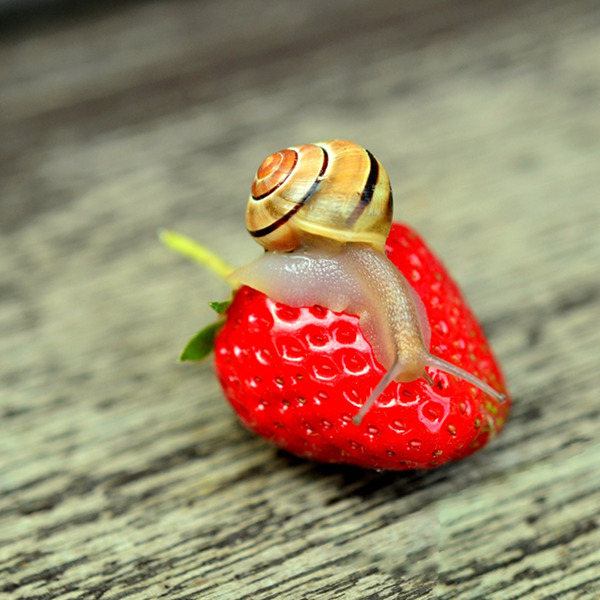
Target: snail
(323, 212)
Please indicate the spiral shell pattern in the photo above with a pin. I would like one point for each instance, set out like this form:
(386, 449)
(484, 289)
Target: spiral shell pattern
(334, 190)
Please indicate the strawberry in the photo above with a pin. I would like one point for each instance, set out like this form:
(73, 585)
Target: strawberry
(298, 376)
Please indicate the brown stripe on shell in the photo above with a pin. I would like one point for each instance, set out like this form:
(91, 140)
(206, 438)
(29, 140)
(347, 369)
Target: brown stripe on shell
(368, 191)
(325, 162)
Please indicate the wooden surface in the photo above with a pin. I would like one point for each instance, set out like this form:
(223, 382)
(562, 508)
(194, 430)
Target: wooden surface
(125, 475)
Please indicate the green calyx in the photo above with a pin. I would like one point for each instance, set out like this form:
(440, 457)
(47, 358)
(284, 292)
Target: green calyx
(202, 344)
(220, 307)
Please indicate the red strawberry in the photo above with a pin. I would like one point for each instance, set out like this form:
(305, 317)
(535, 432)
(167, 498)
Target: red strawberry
(298, 376)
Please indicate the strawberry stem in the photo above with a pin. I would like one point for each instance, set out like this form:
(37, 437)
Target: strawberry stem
(191, 249)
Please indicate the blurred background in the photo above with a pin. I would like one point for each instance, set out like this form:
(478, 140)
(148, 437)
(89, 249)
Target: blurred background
(119, 118)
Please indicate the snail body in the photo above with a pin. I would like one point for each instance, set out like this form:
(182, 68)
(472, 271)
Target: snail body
(323, 212)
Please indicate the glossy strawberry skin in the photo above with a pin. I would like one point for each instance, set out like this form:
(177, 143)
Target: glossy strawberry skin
(297, 376)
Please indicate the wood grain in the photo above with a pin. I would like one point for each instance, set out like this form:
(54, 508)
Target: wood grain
(124, 475)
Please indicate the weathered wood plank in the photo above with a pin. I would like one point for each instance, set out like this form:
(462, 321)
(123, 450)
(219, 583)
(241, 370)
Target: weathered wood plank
(125, 475)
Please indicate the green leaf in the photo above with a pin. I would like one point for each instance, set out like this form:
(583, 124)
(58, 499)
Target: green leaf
(201, 345)
(220, 307)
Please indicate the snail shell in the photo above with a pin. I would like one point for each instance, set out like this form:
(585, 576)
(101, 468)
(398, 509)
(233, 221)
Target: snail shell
(323, 212)
(335, 190)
